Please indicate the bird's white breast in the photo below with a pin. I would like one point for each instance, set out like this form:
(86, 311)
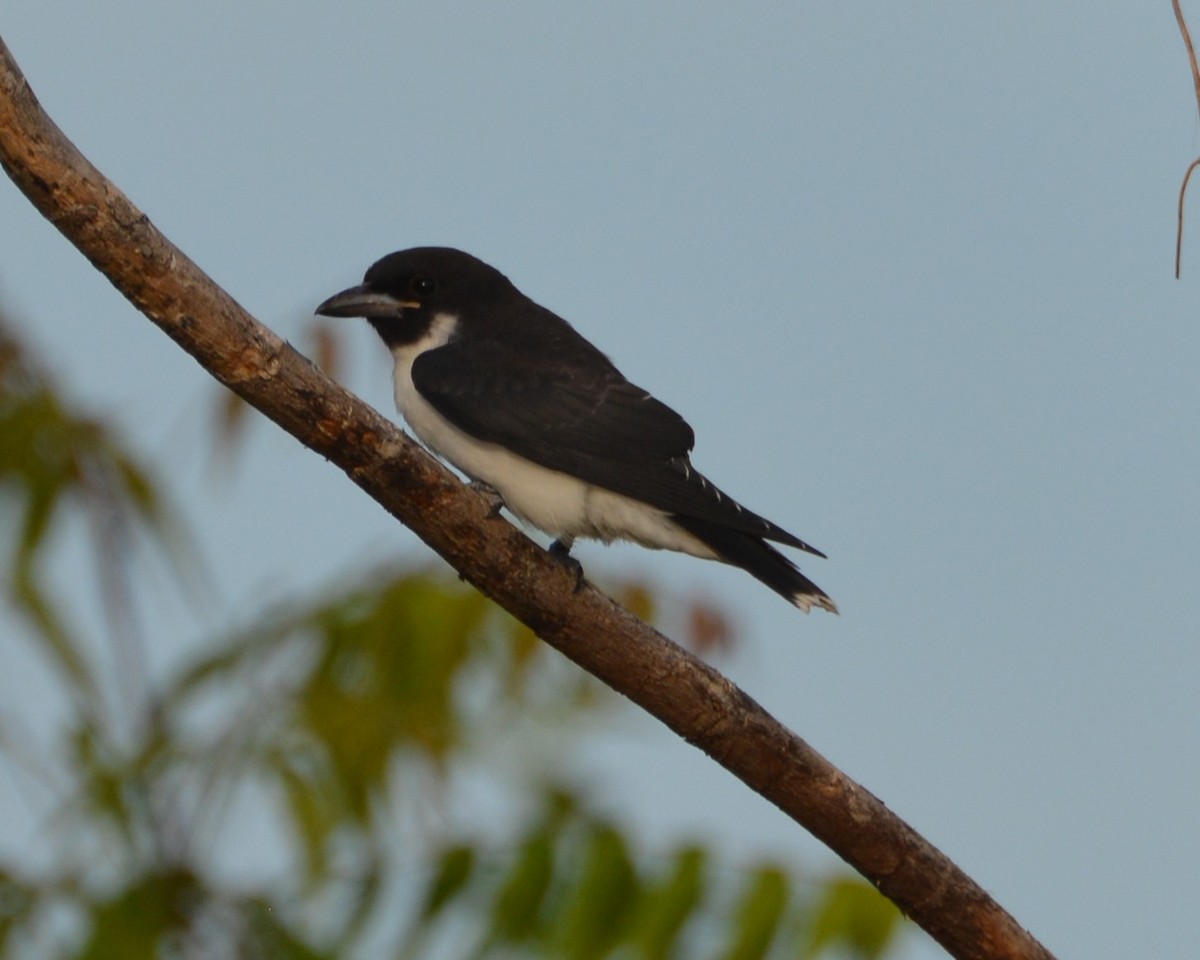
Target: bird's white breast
(559, 504)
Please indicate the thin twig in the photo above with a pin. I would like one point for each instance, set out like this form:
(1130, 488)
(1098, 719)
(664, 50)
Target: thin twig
(1179, 215)
(1191, 50)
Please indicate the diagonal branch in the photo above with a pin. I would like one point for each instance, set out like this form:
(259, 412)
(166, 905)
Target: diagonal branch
(686, 694)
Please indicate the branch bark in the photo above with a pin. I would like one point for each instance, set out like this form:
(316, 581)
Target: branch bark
(686, 694)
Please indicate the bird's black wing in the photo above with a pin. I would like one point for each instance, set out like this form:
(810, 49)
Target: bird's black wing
(587, 421)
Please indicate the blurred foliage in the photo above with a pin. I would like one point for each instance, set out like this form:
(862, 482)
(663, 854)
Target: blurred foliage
(52, 458)
(401, 741)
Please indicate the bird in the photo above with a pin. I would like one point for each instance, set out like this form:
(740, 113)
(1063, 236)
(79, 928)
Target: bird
(510, 394)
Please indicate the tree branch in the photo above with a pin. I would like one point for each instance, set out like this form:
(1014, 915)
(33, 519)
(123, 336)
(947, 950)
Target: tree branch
(686, 694)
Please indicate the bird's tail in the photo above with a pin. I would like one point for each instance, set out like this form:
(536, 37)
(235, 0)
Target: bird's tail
(762, 561)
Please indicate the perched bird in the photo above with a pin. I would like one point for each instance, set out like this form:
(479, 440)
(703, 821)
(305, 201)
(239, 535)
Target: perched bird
(511, 395)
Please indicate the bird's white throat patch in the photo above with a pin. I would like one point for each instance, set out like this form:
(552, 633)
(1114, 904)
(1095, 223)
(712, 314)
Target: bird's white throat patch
(431, 427)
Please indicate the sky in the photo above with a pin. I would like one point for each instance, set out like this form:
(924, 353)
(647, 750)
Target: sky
(906, 269)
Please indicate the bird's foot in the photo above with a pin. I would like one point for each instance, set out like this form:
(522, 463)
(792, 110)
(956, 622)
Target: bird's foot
(560, 550)
(491, 494)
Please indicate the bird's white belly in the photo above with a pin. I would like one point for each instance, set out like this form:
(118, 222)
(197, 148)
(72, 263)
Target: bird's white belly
(559, 504)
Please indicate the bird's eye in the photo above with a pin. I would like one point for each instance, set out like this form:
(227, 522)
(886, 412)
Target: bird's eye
(424, 286)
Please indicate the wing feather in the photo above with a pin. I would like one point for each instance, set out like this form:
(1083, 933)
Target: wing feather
(592, 424)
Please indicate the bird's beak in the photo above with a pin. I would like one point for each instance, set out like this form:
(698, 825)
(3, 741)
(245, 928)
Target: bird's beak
(363, 301)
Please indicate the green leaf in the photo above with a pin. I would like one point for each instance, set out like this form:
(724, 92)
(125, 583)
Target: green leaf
(669, 904)
(455, 867)
(314, 814)
(595, 912)
(385, 678)
(516, 910)
(758, 914)
(58, 643)
(136, 923)
(18, 901)
(267, 938)
(106, 783)
(853, 916)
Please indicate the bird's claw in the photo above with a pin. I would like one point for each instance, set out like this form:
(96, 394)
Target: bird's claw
(491, 494)
(560, 550)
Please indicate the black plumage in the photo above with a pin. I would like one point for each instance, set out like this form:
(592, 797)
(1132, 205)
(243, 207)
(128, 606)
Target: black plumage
(514, 374)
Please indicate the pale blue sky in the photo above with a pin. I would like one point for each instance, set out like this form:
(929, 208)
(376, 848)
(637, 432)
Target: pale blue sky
(906, 268)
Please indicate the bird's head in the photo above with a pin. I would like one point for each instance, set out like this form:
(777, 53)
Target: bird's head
(403, 293)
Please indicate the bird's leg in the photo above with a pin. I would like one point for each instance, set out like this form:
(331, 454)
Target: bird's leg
(560, 549)
(495, 501)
